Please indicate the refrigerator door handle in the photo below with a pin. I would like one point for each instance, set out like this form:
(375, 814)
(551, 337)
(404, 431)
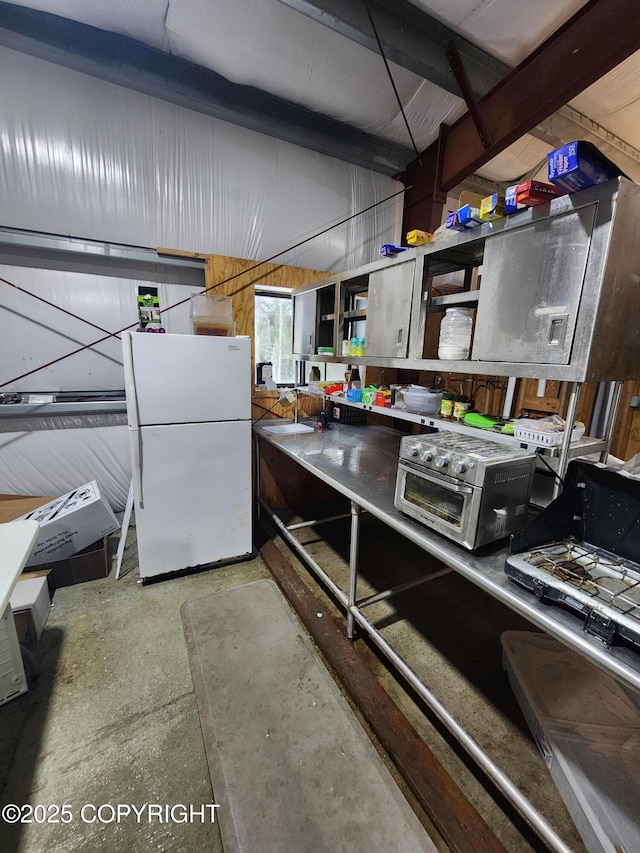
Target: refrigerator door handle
(130, 380)
(136, 446)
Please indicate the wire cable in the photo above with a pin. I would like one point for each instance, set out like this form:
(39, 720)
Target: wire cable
(544, 462)
(395, 90)
(255, 266)
(267, 411)
(53, 305)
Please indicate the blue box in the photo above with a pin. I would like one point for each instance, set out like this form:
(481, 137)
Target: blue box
(389, 249)
(468, 217)
(452, 220)
(510, 204)
(579, 165)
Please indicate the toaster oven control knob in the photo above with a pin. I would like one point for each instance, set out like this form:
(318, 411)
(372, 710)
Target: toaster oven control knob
(459, 466)
(443, 461)
(426, 455)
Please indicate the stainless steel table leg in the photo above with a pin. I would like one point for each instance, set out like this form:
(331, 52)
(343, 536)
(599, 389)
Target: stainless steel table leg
(613, 403)
(574, 396)
(353, 567)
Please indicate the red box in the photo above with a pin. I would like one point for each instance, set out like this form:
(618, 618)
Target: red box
(535, 192)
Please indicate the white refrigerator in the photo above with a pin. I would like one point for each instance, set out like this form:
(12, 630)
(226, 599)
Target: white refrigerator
(189, 415)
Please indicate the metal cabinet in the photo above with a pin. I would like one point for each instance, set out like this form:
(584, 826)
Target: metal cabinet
(531, 290)
(314, 319)
(389, 311)
(558, 296)
(304, 322)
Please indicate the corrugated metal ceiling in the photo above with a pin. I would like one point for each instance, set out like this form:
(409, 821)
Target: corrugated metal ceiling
(270, 46)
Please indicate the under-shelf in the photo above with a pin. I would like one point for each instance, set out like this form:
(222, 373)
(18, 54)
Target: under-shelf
(582, 447)
(465, 298)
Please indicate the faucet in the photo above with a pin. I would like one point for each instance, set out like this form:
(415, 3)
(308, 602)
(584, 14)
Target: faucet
(291, 396)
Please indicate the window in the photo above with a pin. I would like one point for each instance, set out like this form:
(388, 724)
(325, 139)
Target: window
(274, 338)
(274, 332)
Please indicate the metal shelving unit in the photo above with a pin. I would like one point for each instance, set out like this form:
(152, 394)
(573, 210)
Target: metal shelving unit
(577, 448)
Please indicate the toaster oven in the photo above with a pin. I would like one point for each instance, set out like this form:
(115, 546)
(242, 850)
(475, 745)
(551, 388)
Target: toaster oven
(471, 490)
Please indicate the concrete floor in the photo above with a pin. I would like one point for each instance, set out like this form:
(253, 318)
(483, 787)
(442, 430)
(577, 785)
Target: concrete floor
(113, 717)
(448, 631)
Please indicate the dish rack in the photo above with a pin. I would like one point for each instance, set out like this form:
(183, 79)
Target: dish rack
(546, 439)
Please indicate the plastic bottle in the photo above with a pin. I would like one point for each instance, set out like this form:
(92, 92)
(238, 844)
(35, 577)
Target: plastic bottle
(455, 334)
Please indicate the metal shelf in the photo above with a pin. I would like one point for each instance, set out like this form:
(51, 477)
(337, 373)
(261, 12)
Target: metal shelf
(100, 407)
(578, 448)
(466, 298)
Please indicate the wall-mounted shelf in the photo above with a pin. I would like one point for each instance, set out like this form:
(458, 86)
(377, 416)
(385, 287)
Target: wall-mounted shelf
(577, 448)
(576, 254)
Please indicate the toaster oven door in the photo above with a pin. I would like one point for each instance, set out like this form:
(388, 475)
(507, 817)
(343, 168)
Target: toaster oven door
(438, 502)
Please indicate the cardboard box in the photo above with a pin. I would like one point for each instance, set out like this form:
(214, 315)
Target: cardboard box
(92, 563)
(510, 203)
(388, 250)
(31, 604)
(71, 523)
(419, 238)
(15, 506)
(470, 198)
(532, 193)
(579, 165)
(492, 207)
(468, 217)
(452, 220)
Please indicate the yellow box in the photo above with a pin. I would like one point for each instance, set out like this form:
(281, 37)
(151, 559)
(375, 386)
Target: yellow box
(492, 207)
(418, 238)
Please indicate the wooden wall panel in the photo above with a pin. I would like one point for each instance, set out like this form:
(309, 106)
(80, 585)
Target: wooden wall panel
(237, 277)
(284, 483)
(626, 433)
(555, 399)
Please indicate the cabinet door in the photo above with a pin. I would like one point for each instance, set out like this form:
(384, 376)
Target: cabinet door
(531, 286)
(389, 311)
(304, 322)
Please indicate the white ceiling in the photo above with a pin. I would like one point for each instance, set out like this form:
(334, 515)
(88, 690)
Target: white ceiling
(265, 44)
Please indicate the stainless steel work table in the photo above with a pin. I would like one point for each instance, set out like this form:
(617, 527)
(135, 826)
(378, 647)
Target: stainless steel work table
(360, 462)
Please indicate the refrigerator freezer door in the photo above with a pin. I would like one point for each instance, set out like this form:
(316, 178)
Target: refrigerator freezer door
(197, 495)
(181, 379)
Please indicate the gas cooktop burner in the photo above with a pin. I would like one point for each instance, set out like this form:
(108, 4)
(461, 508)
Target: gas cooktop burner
(601, 585)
